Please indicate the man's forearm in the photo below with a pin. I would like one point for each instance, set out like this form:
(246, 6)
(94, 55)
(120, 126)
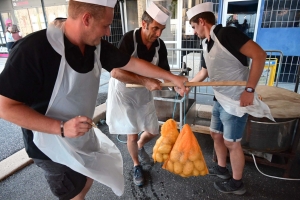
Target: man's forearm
(20, 114)
(256, 69)
(147, 69)
(258, 56)
(200, 76)
(127, 76)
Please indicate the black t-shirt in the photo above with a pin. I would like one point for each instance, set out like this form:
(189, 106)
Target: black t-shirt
(232, 39)
(126, 45)
(31, 70)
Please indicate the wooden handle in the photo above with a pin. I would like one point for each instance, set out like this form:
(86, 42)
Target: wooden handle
(189, 84)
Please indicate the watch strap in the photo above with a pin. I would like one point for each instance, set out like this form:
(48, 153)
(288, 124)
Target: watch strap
(250, 89)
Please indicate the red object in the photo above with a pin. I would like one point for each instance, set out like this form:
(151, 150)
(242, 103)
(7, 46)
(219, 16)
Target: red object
(3, 55)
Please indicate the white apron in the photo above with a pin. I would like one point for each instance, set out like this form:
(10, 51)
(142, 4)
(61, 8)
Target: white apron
(223, 66)
(131, 110)
(92, 154)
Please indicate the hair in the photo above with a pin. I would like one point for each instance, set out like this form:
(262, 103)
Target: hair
(209, 17)
(147, 18)
(76, 8)
(14, 29)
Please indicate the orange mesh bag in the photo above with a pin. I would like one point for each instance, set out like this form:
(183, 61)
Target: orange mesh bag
(186, 158)
(165, 142)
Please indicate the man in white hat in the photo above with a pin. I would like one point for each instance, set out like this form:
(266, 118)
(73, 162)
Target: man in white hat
(51, 84)
(135, 106)
(225, 52)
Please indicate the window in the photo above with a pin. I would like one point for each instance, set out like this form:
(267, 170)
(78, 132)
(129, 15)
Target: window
(281, 13)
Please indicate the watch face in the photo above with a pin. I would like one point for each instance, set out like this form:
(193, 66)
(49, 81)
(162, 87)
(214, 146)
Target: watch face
(248, 89)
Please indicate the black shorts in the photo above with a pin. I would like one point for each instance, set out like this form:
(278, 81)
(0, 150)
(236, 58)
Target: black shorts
(63, 181)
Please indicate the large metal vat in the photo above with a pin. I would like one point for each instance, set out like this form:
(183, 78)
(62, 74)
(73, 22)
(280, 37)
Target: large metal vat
(267, 136)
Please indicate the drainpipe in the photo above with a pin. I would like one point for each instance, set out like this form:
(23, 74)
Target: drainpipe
(44, 13)
(297, 79)
(121, 4)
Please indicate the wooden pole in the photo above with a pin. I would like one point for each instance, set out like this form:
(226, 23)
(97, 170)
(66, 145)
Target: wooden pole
(191, 84)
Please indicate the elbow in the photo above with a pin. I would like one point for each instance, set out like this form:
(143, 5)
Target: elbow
(114, 73)
(259, 56)
(264, 55)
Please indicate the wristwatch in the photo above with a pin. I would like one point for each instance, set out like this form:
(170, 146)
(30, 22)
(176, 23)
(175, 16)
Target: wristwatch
(249, 89)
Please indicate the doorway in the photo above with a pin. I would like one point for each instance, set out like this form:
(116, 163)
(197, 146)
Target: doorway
(4, 17)
(242, 14)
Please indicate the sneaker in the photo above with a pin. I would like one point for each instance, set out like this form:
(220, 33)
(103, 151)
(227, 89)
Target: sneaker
(214, 171)
(138, 178)
(229, 187)
(144, 158)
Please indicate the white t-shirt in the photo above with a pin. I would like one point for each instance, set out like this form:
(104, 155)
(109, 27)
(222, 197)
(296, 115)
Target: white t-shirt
(9, 37)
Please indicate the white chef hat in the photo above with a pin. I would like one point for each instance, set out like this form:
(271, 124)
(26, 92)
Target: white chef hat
(158, 13)
(200, 8)
(107, 3)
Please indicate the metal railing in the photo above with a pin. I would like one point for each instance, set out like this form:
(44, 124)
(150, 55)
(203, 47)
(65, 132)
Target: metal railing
(187, 61)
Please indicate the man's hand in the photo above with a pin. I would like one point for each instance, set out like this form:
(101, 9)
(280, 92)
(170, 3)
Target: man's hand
(151, 83)
(179, 82)
(183, 91)
(77, 126)
(246, 99)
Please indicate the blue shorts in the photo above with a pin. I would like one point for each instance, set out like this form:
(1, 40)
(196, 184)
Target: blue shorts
(232, 127)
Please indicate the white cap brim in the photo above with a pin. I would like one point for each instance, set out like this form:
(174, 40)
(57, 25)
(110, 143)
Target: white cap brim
(107, 3)
(154, 11)
(200, 8)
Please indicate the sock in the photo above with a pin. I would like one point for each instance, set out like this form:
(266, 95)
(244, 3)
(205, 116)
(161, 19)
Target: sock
(237, 183)
(222, 169)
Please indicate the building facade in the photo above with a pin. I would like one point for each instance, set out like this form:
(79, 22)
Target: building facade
(273, 24)
(34, 15)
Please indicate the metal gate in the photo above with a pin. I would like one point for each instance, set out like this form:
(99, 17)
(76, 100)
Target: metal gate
(188, 62)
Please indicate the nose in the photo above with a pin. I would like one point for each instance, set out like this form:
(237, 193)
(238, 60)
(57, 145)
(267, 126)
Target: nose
(107, 33)
(158, 33)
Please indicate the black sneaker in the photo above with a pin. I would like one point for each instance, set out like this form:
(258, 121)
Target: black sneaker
(229, 187)
(144, 158)
(138, 178)
(214, 171)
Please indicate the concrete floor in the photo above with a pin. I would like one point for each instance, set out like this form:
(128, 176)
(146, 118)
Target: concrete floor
(30, 184)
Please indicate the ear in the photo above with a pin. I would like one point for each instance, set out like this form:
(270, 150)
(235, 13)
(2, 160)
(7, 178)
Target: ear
(201, 21)
(144, 24)
(86, 19)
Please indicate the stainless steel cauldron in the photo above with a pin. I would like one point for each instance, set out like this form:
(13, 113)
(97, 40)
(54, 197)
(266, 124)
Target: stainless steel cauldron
(267, 136)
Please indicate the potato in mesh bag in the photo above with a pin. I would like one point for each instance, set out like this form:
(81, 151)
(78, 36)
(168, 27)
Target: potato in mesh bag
(165, 142)
(186, 158)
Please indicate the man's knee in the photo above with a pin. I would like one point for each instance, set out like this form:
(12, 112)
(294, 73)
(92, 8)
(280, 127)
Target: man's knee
(233, 145)
(132, 138)
(217, 137)
(85, 190)
(149, 135)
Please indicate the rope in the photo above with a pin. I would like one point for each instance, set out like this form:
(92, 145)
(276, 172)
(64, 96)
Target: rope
(125, 142)
(289, 179)
(174, 109)
(184, 111)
